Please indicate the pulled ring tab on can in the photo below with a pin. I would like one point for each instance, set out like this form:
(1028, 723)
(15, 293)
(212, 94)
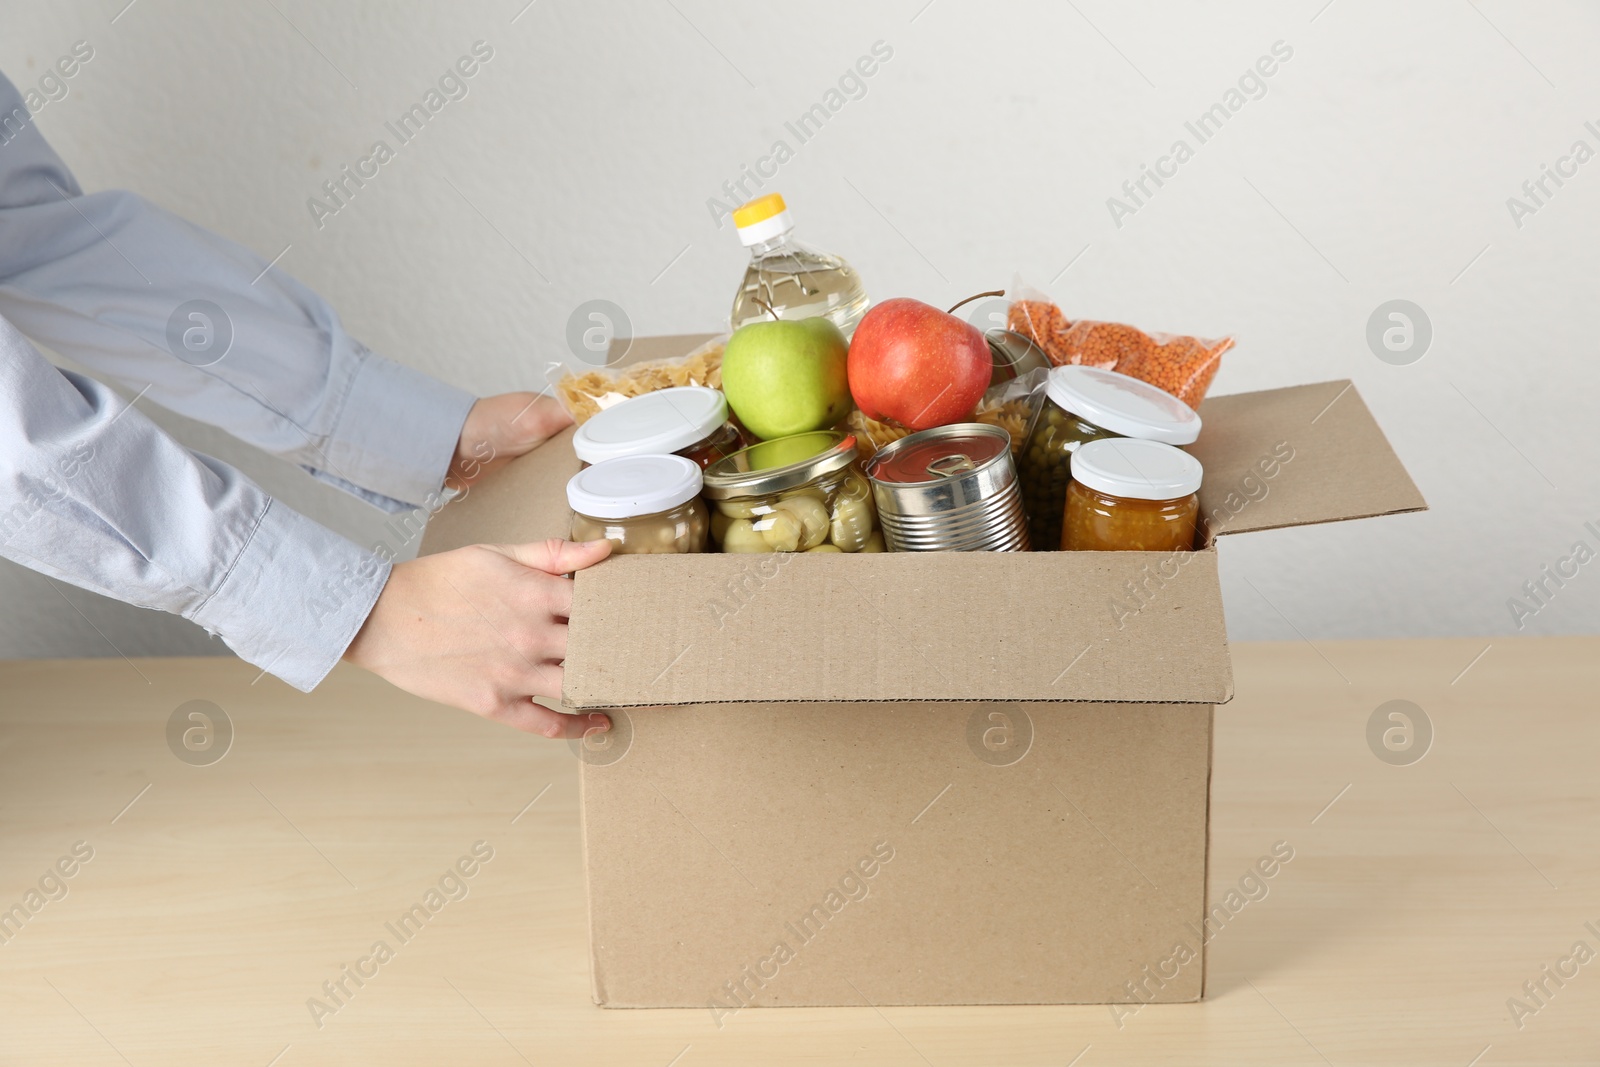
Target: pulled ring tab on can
(958, 463)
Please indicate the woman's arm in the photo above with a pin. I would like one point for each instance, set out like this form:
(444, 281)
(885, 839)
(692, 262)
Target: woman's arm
(206, 329)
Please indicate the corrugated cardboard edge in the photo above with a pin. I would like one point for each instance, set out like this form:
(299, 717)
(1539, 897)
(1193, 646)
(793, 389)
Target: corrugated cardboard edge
(867, 615)
(1205, 895)
(597, 979)
(829, 1003)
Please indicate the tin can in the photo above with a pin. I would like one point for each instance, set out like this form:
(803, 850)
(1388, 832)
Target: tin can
(949, 489)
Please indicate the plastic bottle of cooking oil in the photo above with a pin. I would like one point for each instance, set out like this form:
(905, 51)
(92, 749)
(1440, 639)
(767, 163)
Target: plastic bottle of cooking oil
(797, 282)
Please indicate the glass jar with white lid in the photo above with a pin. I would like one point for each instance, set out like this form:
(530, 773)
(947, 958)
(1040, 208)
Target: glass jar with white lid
(1131, 495)
(641, 504)
(688, 420)
(1084, 404)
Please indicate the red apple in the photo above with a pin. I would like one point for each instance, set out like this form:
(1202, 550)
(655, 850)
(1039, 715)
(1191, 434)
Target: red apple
(916, 365)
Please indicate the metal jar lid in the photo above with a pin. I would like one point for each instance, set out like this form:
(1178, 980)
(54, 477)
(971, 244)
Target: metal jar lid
(1014, 355)
(779, 464)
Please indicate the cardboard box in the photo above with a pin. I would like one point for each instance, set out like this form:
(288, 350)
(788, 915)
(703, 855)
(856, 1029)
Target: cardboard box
(919, 778)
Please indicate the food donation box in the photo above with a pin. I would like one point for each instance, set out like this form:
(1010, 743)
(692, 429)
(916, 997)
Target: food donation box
(918, 777)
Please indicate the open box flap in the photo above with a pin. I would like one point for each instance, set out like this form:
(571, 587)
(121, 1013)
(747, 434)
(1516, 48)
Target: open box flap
(526, 500)
(626, 350)
(713, 628)
(1296, 456)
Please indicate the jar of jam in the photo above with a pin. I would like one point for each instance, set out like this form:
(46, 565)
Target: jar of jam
(803, 493)
(641, 504)
(1084, 404)
(1130, 495)
(688, 420)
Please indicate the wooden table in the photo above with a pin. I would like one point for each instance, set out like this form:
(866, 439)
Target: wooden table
(220, 898)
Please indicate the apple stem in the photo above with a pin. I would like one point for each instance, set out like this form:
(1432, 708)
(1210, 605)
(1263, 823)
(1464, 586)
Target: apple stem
(976, 296)
(768, 307)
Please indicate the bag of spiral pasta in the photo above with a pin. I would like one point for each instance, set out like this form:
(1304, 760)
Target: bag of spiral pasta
(585, 393)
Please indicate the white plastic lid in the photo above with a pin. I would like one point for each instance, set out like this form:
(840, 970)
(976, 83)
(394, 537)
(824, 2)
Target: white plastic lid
(1142, 470)
(767, 229)
(631, 486)
(1123, 405)
(664, 421)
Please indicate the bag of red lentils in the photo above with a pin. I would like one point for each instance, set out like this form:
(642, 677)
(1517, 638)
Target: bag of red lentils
(1183, 366)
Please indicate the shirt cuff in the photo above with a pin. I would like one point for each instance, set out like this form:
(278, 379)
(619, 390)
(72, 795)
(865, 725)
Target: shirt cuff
(294, 598)
(397, 431)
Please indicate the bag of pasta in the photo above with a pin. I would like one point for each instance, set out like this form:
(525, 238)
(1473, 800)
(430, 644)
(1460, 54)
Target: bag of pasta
(587, 393)
(1183, 366)
(1013, 405)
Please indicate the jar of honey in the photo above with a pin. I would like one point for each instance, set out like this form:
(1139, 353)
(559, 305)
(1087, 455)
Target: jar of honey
(1131, 495)
(689, 420)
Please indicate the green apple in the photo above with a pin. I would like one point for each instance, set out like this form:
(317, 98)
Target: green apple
(787, 376)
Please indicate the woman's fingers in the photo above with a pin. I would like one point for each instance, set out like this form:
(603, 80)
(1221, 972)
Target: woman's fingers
(555, 643)
(533, 718)
(500, 428)
(483, 628)
(556, 556)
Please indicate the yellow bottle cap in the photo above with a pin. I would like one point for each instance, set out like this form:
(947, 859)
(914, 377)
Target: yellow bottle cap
(759, 210)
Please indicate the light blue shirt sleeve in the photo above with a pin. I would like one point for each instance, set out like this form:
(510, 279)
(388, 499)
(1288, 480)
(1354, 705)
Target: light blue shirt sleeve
(93, 493)
(137, 294)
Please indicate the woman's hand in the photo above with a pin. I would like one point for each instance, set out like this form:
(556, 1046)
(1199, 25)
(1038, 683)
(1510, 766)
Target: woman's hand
(501, 428)
(482, 628)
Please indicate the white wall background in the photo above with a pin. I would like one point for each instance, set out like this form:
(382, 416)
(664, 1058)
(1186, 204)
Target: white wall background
(1377, 167)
